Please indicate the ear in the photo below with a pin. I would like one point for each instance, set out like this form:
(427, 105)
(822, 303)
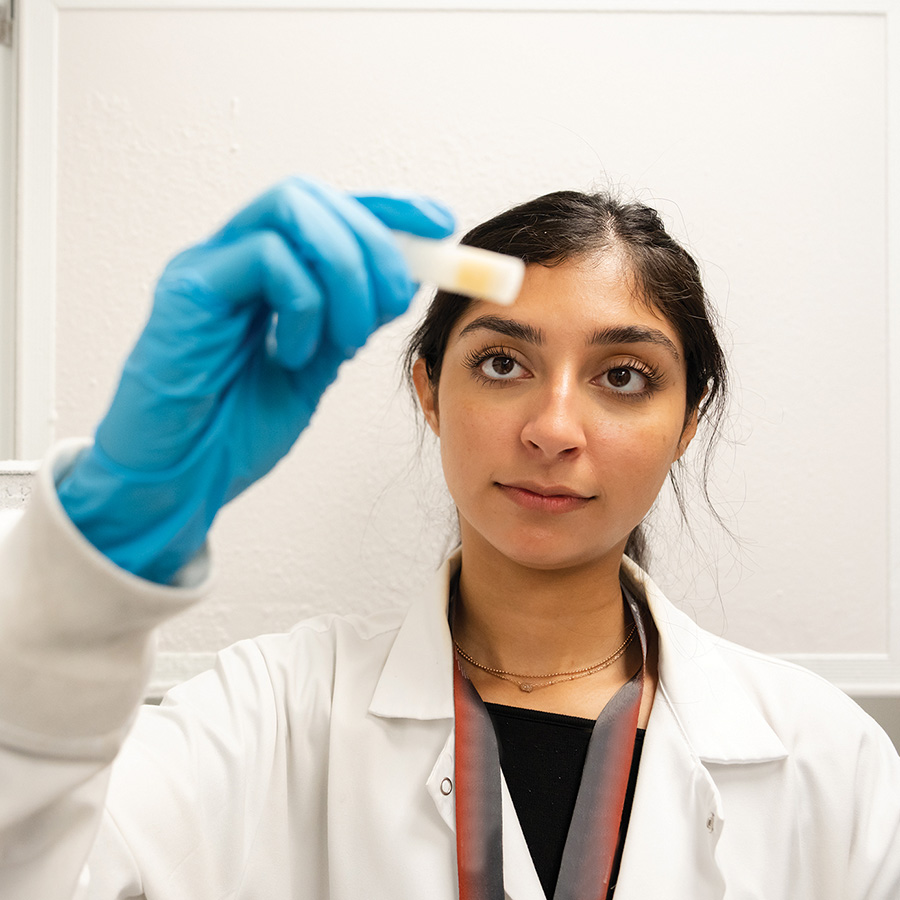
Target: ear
(690, 429)
(687, 435)
(427, 394)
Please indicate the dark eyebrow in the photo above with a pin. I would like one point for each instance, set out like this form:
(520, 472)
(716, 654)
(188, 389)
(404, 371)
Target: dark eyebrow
(615, 334)
(633, 334)
(508, 327)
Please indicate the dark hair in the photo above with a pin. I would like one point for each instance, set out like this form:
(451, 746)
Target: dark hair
(565, 225)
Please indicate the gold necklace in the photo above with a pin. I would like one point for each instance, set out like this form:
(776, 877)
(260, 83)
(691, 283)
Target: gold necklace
(528, 684)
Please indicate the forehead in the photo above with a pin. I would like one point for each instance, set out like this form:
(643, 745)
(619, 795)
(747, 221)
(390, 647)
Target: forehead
(575, 300)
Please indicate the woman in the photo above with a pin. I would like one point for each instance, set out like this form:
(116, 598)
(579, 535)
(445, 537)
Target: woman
(491, 738)
(558, 423)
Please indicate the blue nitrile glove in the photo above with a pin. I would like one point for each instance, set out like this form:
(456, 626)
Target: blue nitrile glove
(246, 332)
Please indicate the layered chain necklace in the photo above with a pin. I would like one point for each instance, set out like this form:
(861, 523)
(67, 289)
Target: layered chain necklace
(528, 683)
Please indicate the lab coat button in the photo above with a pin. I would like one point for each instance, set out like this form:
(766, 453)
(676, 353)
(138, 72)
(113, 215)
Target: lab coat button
(711, 823)
(446, 786)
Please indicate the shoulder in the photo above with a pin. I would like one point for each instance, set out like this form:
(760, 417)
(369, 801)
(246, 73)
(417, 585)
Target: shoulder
(305, 661)
(802, 707)
(778, 683)
(832, 748)
(732, 701)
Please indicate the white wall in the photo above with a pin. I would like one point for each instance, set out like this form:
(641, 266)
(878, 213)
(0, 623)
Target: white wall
(762, 138)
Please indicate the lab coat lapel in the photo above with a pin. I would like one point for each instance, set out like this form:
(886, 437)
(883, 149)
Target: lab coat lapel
(440, 784)
(709, 705)
(676, 820)
(520, 879)
(701, 714)
(417, 683)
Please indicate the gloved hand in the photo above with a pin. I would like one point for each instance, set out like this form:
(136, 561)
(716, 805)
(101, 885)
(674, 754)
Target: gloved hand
(246, 332)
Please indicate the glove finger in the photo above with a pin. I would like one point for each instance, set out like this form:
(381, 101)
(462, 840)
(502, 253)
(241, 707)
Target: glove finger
(327, 244)
(296, 334)
(292, 291)
(412, 213)
(231, 285)
(392, 287)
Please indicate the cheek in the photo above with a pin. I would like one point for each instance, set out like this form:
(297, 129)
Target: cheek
(471, 437)
(639, 453)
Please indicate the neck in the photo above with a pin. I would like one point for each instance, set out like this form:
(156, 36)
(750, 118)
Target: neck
(520, 619)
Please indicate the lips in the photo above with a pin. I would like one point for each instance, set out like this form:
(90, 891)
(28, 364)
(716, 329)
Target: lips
(553, 498)
(549, 490)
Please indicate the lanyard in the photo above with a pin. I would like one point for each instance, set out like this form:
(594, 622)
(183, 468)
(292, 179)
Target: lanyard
(594, 830)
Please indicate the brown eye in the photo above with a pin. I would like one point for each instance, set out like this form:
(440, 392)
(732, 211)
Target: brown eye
(501, 368)
(626, 380)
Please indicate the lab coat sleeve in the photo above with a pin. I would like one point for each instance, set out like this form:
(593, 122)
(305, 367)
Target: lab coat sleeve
(199, 785)
(76, 650)
(874, 869)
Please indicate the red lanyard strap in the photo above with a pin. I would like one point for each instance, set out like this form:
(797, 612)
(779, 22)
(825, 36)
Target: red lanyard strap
(593, 835)
(479, 823)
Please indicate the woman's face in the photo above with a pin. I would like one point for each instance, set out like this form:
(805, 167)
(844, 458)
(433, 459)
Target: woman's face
(559, 416)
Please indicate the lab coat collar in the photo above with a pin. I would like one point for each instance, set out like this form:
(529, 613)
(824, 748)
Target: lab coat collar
(711, 708)
(417, 679)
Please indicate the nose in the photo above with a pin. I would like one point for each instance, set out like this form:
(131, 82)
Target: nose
(554, 425)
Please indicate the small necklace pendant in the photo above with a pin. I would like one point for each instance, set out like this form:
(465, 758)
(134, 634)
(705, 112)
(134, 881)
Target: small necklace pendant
(524, 686)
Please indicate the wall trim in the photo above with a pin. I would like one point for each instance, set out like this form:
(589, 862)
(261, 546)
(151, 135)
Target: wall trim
(678, 7)
(8, 181)
(18, 467)
(36, 228)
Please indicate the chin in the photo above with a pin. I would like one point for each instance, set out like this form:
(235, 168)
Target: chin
(557, 556)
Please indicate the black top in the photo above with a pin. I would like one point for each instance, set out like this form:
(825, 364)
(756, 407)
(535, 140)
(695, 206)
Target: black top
(542, 756)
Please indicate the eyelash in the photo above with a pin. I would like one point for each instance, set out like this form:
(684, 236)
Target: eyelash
(475, 359)
(654, 379)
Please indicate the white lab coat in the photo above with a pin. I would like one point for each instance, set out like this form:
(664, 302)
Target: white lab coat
(319, 764)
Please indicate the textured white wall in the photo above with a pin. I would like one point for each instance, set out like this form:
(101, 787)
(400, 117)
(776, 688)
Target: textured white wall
(760, 137)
